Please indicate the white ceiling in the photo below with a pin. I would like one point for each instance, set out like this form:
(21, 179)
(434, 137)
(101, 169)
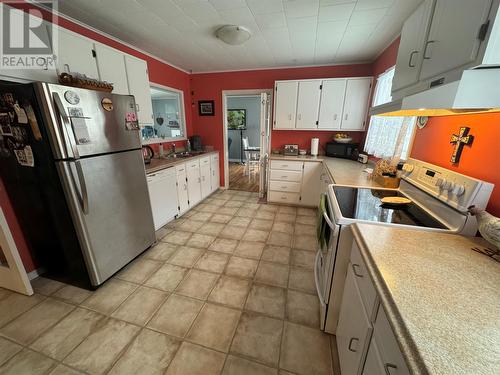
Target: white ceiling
(284, 32)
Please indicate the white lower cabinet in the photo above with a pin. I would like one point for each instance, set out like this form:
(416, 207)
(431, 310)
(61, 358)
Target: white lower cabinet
(310, 189)
(162, 192)
(215, 174)
(205, 178)
(354, 328)
(294, 182)
(182, 188)
(193, 182)
(365, 340)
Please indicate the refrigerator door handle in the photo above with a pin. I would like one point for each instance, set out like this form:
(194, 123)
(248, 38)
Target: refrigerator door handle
(67, 130)
(84, 198)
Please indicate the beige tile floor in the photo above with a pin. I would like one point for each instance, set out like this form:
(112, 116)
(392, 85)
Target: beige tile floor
(228, 289)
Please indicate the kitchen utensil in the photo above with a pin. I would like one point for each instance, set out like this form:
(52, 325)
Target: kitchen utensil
(395, 200)
(302, 152)
(147, 154)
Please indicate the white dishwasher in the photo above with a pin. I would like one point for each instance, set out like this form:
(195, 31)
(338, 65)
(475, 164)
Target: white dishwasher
(163, 194)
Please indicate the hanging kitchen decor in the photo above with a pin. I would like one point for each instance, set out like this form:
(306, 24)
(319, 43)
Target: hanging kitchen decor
(460, 140)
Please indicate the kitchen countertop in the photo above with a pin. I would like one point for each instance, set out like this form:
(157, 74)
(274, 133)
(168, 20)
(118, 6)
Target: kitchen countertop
(342, 171)
(158, 164)
(441, 298)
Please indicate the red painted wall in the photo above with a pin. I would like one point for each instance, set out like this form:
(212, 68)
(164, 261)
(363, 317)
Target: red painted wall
(481, 160)
(209, 86)
(386, 59)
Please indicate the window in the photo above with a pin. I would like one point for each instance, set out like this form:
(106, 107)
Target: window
(388, 136)
(168, 115)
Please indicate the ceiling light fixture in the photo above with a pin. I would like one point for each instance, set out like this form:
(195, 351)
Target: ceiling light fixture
(233, 34)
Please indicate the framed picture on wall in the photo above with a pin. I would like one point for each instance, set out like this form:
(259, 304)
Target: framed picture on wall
(206, 108)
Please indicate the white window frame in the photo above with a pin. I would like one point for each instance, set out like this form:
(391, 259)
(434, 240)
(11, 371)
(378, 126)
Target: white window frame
(182, 116)
(381, 121)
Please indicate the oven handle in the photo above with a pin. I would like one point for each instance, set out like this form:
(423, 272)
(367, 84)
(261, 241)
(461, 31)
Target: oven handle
(316, 278)
(325, 215)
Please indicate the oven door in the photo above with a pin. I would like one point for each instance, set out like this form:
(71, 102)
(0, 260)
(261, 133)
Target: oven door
(324, 264)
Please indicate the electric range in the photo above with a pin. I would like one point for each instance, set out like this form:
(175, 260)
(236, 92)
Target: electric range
(439, 201)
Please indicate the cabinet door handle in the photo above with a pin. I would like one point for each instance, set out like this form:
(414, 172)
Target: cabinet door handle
(346, 116)
(289, 117)
(335, 117)
(411, 58)
(137, 108)
(429, 42)
(351, 341)
(300, 116)
(388, 366)
(355, 270)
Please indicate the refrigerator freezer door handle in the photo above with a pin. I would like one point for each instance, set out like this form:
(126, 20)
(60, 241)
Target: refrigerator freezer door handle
(66, 126)
(84, 199)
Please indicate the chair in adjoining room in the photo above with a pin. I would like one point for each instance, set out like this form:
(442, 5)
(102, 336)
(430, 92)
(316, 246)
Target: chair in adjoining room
(252, 157)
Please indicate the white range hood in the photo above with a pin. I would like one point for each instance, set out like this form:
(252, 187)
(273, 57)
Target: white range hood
(478, 91)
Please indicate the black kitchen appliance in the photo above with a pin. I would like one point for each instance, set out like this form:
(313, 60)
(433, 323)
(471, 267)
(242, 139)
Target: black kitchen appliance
(342, 150)
(196, 143)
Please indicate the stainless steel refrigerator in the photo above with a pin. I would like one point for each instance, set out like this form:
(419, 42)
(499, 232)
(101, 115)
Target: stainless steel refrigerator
(72, 166)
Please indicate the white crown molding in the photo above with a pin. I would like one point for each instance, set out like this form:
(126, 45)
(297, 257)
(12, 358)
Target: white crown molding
(97, 31)
(282, 67)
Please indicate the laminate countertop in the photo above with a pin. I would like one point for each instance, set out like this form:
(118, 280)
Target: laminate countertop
(342, 171)
(158, 164)
(441, 297)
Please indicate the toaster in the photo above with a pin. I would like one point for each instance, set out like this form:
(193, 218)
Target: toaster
(291, 150)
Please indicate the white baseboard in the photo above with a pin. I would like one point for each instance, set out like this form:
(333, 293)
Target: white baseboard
(35, 273)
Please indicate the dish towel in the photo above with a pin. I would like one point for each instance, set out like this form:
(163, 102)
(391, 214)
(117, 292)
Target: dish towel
(323, 229)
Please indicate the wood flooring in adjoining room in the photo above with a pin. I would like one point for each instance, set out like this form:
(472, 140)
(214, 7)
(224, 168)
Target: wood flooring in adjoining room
(238, 180)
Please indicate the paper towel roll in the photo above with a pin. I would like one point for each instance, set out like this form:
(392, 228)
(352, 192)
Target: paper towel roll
(314, 146)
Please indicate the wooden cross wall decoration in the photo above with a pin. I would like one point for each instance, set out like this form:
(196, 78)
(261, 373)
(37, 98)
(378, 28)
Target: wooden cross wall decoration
(463, 138)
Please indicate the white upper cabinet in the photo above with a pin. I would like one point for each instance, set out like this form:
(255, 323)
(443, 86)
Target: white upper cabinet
(356, 103)
(111, 66)
(411, 46)
(75, 53)
(332, 104)
(454, 37)
(285, 104)
(308, 104)
(328, 104)
(138, 85)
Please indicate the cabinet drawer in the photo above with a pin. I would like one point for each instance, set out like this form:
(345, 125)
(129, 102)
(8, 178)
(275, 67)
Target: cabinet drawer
(180, 168)
(283, 197)
(363, 280)
(215, 157)
(193, 164)
(388, 347)
(293, 187)
(205, 160)
(278, 175)
(286, 165)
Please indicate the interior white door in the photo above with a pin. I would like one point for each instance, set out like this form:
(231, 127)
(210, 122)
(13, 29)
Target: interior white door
(111, 67)
(215, 174)
(12, 273)
(285, 104)
(76, 54)
(308, 104)
(138, 85)
(206, 180)
(356, 103)
(182, 188)
(265, 132)
(193, 182)
(332, 104)
(411, 46)
(453, 38)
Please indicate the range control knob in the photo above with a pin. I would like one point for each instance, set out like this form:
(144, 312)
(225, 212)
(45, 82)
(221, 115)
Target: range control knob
(447, 185)
(439, 182)
(408, 168)
(458, 190)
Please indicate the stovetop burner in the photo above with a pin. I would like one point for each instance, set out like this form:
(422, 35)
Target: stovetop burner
(365, 204)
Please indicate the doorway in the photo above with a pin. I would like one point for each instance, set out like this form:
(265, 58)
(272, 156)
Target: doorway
(246, 139)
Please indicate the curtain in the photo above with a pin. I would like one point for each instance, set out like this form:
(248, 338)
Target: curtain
(388, 136)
